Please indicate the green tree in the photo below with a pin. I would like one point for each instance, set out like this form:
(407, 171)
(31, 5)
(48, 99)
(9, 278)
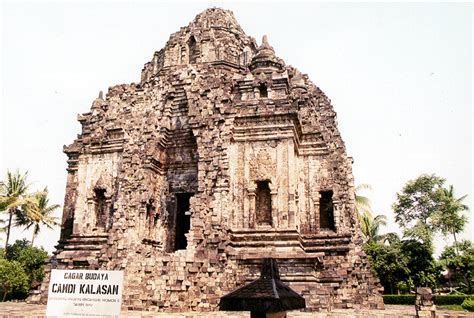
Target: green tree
(416, 204)
(13, 194)
(37, 212)
(31, 258)
(448, 217)
(421, 232)
(423, 268)
(418, 200)
(13, 279)
(391, 238)
(14, 250)
(402, 264)
(390, 264)
(370, 227)
(458, 259)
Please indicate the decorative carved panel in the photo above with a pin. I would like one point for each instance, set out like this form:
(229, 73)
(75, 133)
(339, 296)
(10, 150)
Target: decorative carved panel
(262, 166)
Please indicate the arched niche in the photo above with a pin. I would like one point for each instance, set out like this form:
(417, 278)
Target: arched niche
(263, 203)
(193, 52)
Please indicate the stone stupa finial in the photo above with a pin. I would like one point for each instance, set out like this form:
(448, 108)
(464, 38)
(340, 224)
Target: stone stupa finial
(265, 57)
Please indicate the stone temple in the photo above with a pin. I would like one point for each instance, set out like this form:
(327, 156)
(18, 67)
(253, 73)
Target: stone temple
(220, 156)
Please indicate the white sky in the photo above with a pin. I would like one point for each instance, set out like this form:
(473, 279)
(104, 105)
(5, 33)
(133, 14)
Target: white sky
(399, 76)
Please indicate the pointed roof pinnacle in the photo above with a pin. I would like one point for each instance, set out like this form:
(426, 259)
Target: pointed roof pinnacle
(265, 45)
(265, 57)
(265, 40)
(217, 17)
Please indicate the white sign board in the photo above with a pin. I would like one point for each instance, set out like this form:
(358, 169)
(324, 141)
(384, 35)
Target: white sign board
(85, 293)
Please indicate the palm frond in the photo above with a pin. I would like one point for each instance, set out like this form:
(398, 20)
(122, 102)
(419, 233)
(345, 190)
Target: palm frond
(362, 203)
(363, 186)
(36, 212)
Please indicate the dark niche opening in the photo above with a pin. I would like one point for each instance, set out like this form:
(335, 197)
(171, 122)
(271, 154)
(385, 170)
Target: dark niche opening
(245, 58)
(192, 49)
(100, 207)
(68, 224)
(151, 215)
(183, 220)
(263, 203)
(263, 90)
(81, 264)
(326, 210)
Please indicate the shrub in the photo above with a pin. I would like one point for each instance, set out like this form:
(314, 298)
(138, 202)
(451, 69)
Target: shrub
(468, 304)
(399, 299)
(20, 260)
(449, 299)
(13, 279)
(437, 299)
(31, 259)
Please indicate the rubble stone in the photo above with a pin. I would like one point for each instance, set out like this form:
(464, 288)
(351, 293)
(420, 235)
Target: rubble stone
(220, 156)
(424, 304)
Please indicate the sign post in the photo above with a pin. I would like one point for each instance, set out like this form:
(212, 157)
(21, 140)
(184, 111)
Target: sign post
(85, 293)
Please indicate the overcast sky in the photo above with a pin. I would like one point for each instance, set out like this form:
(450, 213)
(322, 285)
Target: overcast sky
(399, 77)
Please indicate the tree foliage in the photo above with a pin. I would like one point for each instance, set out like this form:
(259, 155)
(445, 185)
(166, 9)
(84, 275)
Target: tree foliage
(31, 210)
(448, 218)
(13, 194)
(37, 212)
(14, 250)
(13, 279)
(370, 227)
(424, 207)
(402, 265)
(389, 263)
(362, 203)
(458, 260)
(424, 270)
(418, 200)
(421, 232)
(30, 259)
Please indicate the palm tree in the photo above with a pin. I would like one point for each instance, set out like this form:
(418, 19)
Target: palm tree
(37, 212)
(13, 194)
(370, 227)
(362, 203)
(448, 218)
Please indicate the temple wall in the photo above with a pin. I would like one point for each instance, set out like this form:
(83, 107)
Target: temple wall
(222, 155)
(96, 172)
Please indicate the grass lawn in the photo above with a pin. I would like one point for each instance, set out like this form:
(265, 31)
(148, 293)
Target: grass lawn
(451, 307)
